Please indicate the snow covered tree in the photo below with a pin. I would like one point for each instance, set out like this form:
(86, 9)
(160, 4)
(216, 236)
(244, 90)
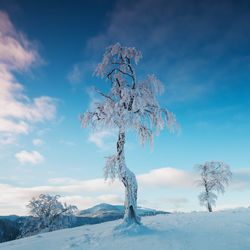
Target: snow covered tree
(130, 104)
(214, 176)
(48, 214)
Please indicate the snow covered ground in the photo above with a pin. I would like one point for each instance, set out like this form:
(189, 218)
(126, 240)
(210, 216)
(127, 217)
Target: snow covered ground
(226, 230)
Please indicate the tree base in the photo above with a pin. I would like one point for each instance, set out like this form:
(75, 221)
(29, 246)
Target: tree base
(132, 229)
(128, 228)
(130, 221)
(131, 216)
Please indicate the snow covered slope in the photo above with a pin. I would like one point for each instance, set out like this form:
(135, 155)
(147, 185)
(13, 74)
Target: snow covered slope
(228, 230)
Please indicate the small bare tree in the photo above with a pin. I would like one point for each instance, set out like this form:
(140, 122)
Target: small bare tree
(213, 178)
(130, 104)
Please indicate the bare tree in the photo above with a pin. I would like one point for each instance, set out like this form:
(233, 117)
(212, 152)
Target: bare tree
(130, 104)
(213, 178)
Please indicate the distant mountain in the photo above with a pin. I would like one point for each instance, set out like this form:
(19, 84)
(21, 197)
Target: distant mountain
(9, 217)
(101, 209)
(10, 225)
(115, 211)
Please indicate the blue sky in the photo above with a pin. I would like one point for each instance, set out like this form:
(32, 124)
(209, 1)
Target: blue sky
(199, 50)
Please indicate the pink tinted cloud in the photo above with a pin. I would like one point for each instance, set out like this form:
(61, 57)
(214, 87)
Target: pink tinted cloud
(17, 53)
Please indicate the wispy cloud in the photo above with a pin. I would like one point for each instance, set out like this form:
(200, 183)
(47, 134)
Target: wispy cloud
(16, 51)
(37, 142)
(103, 139)
(33, 157)
(75, 75)
(18, 54)
(80, 71)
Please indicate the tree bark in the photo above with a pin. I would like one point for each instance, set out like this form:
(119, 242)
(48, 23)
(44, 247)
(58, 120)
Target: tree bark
(129, 181)
(209, 207)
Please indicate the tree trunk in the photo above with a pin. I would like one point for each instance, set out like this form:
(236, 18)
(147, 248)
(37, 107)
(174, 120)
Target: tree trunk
(209, 207)
(129, 181)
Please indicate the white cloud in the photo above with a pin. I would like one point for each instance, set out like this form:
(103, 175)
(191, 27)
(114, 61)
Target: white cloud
(167, 177)
(75, 74)
(102, 138)
(32, 157)
(18, 54)
(11, 127)
(37, 142)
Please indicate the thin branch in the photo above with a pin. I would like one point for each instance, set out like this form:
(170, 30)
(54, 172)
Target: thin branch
(132, 71)
(104, 95)
(125, 73)
(118, 82)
